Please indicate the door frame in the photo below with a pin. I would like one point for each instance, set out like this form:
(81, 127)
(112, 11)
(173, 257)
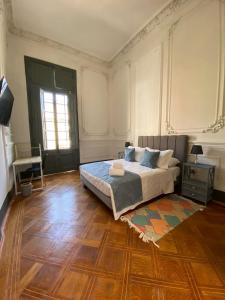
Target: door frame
(70, 94)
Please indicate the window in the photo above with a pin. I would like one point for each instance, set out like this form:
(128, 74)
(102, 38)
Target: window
(55, 121)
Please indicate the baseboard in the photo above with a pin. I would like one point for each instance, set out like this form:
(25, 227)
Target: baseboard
(4, 208)
(219, 196)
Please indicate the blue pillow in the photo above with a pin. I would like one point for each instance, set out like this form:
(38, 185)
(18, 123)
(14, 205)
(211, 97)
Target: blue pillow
(150, 159)
(129, 154)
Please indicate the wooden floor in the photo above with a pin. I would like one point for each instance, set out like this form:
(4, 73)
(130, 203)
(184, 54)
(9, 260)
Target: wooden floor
(64, 244)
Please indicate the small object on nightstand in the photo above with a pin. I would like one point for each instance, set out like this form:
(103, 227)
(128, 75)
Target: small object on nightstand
(197, 181)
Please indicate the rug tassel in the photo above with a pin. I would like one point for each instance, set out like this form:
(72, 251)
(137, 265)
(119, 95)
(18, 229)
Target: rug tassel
(142, 235)
(155, 244)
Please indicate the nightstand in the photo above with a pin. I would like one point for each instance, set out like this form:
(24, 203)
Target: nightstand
(197, 181)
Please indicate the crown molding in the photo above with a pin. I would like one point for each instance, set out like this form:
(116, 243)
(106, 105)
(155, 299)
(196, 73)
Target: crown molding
(155, 22)
(51, 43)
(46, 41)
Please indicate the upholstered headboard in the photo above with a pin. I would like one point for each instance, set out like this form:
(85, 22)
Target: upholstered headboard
(177, 143)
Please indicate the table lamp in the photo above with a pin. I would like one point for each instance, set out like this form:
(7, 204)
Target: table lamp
(196, 149)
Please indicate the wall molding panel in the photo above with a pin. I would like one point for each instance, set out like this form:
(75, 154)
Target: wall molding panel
(180, 93)
(148, 92)
(94, 103)
(121, 101)
(100, 149)
(94, 150)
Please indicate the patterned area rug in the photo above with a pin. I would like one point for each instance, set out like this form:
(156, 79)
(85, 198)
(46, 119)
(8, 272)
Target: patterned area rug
(156, 219)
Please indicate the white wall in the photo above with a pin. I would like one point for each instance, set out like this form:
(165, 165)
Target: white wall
(169, 80)
(176, 71)
(5, 178)
(96, 139)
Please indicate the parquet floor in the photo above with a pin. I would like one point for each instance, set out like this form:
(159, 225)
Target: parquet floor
(63, 243)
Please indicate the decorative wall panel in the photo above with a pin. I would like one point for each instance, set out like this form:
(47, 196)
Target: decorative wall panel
(148, 93)
(195, 96)
(121, 101)
(94, 103)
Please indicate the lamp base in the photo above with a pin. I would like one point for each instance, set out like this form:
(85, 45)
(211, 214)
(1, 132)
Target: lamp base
(196, 158)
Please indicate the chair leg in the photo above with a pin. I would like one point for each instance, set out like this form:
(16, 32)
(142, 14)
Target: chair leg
(42, 176)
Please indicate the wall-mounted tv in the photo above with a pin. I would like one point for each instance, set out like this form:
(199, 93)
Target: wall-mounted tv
(6, 102)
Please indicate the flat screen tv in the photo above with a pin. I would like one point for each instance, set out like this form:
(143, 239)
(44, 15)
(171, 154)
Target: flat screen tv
(6, 102)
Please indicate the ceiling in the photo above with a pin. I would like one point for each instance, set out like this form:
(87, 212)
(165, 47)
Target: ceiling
(97, 27)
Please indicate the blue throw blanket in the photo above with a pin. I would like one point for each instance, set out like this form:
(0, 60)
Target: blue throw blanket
(127, 189)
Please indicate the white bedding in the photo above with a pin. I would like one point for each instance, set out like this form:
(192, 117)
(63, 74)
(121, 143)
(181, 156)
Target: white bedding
(154, 181)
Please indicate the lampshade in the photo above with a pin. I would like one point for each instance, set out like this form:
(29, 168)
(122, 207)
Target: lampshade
(196, 149)
(127, 144)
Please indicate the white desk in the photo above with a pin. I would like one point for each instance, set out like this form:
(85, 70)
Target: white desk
(28, 161)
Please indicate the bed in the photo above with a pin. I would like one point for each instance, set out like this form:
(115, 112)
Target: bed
(153, 182)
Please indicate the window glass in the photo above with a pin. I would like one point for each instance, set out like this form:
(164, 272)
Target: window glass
(55, 121)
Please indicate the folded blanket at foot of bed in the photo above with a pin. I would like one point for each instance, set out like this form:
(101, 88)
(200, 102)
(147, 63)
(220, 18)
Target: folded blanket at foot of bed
(125, 190)
(116, 171)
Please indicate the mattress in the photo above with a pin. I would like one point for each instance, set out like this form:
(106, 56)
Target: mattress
(154, 181)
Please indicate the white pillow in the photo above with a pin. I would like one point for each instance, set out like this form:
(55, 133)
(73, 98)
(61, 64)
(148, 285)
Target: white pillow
(139, 153)
(173, 162)
(164, 158)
